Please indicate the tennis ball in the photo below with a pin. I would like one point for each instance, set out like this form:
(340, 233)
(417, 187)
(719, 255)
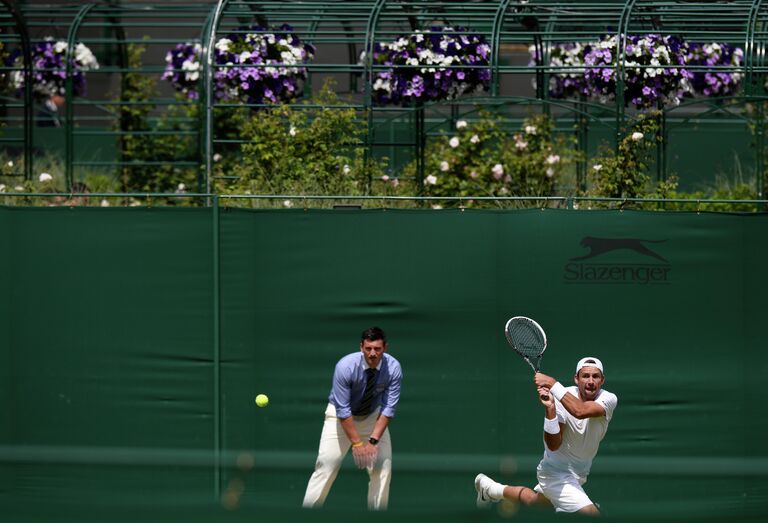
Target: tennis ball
(262, 400)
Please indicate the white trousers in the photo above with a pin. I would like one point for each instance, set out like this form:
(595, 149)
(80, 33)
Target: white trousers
(334, 445)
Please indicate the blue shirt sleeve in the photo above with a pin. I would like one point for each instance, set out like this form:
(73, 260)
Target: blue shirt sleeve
(391, 394)
(341, 390)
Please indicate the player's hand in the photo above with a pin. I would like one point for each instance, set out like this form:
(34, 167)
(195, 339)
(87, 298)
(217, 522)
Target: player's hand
(373, 454)
(542, 380)
(545, 397)
(360, 455)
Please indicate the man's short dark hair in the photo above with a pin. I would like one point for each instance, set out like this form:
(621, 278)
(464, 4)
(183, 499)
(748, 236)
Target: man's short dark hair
(373, 334)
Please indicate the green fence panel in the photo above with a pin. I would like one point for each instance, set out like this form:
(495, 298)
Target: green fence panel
(112, 391)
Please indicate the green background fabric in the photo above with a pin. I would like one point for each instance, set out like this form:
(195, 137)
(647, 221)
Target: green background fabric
(135, 340)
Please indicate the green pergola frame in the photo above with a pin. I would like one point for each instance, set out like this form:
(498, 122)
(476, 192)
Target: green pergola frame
(341, 30)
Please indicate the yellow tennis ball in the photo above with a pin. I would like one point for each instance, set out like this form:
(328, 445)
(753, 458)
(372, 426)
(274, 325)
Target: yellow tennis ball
(262, 400)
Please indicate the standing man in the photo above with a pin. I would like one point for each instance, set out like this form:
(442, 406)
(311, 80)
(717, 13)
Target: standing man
(364, 395)
(575, 421)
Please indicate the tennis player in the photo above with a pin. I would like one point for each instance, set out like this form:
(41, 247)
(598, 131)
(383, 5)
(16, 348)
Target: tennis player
(364, 395)
(575, 421)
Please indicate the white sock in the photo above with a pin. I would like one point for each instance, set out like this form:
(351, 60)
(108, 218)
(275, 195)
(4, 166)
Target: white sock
(496, 491)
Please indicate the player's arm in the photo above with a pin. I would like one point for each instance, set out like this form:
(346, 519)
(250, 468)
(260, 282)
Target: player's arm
(341, 398)
(553, 429)
(576, 406)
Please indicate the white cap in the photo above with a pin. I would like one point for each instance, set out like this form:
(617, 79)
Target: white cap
(589, 362)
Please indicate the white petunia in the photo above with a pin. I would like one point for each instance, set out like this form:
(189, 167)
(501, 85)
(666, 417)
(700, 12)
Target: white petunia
(454, 142)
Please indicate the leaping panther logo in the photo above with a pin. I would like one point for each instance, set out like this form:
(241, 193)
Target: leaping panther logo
(599, 246)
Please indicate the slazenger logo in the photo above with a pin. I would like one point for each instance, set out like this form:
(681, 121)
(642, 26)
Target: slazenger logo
(647, 265)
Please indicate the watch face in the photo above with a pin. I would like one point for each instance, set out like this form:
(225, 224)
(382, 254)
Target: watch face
(373, 441)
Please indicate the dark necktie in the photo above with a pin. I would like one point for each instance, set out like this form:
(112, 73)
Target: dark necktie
(370, 385)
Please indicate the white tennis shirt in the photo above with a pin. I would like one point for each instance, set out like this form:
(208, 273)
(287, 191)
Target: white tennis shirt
(581, 437)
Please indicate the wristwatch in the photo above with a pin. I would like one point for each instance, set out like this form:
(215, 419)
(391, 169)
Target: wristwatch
(373, 441)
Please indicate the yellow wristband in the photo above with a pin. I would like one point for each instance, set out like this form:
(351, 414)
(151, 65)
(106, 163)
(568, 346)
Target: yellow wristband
(358, 444)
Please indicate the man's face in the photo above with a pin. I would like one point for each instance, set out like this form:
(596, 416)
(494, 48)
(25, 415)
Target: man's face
(373, 351)
(589, 380)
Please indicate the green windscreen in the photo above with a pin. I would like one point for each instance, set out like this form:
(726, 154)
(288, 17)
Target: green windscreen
(134, 341)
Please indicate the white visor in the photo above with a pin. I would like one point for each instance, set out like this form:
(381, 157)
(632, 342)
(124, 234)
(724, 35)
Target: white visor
(589, 362)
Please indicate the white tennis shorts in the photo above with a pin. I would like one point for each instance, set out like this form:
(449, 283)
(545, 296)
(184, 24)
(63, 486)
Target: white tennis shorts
(564, 491)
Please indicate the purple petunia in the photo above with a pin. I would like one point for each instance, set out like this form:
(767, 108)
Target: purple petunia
(440, 64)
(723, 62)
(254, 65)
(49, 69)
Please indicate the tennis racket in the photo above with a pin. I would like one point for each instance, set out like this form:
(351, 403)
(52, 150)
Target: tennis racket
(528, 339)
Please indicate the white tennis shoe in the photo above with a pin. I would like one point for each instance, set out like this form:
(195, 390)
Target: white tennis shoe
(482, 485)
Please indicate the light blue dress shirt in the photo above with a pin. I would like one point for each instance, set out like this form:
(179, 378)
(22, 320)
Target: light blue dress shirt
(349, 385)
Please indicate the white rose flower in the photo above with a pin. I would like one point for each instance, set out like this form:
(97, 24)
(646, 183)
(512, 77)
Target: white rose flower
(2, 187)
(287, 204)
(104, 203)
(597, 166)
(346, 169)
(550, 172)
(19, 188)
(521, 144)
(474, 174)
(444, 166)
(10, 163)
(385, 178)
(45, 177)
(498, 171)
(292, 131)
(637, 136)
(430, 180)
(475, 138)
(461, 124)
(553, 159)
(454, 142)
(181, 188)
(530, 129)
(217, 157)
(437, 207)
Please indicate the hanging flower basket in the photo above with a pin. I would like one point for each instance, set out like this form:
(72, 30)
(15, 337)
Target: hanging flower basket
(49, 69)
(441, 64)
(725, 62)
(253, 65)
(654, 70)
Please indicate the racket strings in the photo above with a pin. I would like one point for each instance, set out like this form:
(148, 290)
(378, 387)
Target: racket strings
(526, 339)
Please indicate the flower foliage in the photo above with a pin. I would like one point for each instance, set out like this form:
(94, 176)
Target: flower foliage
(568, 80)
(442, 63)
(483, 159)
(254, 65)
(654, 65)
(658, 69)
(723, 62)
(49, 68)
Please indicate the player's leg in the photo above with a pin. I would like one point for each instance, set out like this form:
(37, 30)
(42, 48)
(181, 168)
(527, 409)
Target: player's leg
(381, 475)
(334, 445)
(489, 491)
